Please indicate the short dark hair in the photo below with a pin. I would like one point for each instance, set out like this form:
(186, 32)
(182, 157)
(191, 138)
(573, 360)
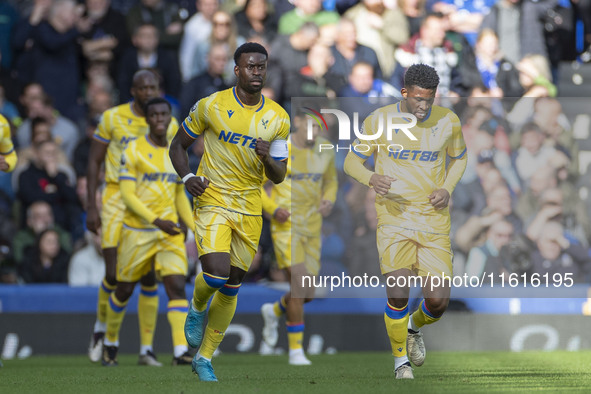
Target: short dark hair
(249, 47)
(154, 101)
(421, 75)
(36, 121)
(531, 126)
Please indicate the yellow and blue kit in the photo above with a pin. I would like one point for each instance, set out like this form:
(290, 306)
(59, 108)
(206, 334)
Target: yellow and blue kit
(150, 189)
(311, 178)
(228, 213)
(411, 233)
(119, 126)
(6, 147)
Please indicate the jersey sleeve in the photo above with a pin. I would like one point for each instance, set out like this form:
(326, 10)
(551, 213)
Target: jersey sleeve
(127, 170)
(196, 122)
(172, 129)
(104, 131)
(127, 185)
(330, 182)
(456, 148)
(365, 148)
(283, 131)
(269, 205)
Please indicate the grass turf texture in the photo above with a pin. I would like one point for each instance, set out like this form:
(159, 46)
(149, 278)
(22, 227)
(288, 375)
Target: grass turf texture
(341, 373)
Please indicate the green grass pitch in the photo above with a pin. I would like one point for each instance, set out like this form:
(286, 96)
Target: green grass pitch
(482, 372)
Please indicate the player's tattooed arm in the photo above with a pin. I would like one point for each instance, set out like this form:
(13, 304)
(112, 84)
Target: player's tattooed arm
(275, 170)
(195, 185)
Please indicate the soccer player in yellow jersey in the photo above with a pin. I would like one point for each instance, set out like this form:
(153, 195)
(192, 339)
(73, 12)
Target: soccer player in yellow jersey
(413, 189)
(297, 206)
(7, 153)
(245, 136)
(120, 125)
(153, 194)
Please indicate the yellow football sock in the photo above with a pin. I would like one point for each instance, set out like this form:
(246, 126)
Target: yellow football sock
(295, 335)
(221, 312)
(177, 314)
(422, 316)
(105, 290)
(279, 307)
(115, 315)
(147, 310)
(396, 320)
(205, 285)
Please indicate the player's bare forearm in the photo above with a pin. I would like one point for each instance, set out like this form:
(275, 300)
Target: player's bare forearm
(183, 207)
(96, 157)
(178, 152)
(275, 170)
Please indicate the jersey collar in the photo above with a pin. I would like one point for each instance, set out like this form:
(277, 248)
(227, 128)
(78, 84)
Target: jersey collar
(259, 105)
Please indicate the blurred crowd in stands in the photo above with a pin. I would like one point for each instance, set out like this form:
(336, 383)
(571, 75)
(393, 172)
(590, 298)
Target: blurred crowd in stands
(520, 207)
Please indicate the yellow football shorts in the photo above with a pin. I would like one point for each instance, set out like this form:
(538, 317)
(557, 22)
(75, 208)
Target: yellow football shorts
(218, 230)
(421, 252)
(142, 248)
(111, 216)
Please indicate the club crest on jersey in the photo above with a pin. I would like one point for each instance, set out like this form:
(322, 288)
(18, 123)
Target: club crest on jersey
(265, 123)
(230, 113)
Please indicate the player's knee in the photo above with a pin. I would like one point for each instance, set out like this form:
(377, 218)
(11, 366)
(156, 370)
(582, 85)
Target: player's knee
(437, 305)
(398, 303)
(124, 291)
(176, 292)
(148, 280)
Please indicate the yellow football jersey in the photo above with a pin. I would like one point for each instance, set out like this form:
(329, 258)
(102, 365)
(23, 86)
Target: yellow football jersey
(311, 177)
(6, 147)
(419, 168)
(120, 125)
(230, 130)
(157, 183)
